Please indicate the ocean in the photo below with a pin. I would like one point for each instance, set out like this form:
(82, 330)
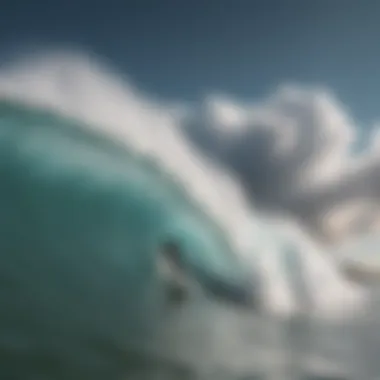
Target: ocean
(95, 176)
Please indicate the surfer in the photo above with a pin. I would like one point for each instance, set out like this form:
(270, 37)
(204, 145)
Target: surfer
(178, 280)
(172, 271)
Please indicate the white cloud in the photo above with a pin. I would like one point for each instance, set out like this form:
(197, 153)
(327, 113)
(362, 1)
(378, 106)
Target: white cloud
(293, 152)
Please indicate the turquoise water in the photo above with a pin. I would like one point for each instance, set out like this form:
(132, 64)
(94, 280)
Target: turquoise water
(81, 219)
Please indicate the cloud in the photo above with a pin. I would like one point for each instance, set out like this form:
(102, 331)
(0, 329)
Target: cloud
(293, 152)
(265, 150)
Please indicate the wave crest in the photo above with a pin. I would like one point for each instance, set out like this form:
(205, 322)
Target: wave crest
(76, 85)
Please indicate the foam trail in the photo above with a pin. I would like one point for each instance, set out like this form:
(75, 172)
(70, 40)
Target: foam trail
(72, 84)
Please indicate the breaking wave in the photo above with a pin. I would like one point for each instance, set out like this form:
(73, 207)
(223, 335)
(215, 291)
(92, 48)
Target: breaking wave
(78, 86)
(121, 161)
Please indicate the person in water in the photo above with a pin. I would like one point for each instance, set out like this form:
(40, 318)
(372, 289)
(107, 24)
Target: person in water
(177, 279)
(173, 273)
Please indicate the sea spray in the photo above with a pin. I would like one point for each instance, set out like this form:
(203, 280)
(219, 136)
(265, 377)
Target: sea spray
(81, 223)
(72, 86)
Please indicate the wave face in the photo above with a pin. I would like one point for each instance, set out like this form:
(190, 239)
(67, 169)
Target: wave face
(81, 221)
(99, 174)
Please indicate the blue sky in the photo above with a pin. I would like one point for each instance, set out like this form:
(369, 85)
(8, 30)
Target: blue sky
(184, 49)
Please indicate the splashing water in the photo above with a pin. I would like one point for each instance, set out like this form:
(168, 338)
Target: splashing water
(100, 177)
(81, 222)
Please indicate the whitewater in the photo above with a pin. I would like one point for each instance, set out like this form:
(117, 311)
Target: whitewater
(71, 124)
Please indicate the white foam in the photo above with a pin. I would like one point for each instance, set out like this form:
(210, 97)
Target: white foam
(73, 84)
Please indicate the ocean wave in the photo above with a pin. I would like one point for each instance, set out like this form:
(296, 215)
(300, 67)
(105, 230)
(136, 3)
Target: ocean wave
(82, 87)
(68, 121)
(82, 222)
